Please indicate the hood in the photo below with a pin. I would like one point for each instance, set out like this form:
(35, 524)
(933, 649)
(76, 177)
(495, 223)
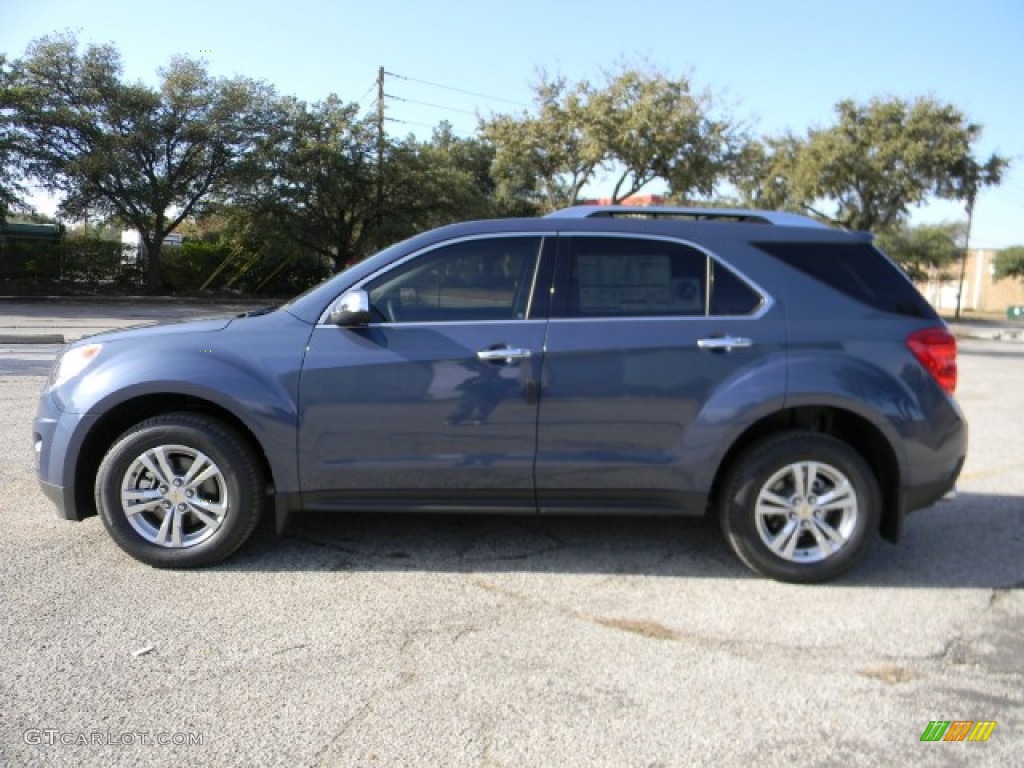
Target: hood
(149, 330)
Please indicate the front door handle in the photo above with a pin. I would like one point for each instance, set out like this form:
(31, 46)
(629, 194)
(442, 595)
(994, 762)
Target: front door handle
(503, 354)
(724, 343)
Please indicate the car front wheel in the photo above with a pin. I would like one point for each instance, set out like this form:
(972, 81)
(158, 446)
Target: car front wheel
(181, 490)
(800, 507)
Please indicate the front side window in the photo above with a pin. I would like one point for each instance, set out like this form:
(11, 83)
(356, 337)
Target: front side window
(473, 280)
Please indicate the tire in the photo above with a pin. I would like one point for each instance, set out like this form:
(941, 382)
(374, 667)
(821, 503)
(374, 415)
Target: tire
(196, 487)
(778, 528)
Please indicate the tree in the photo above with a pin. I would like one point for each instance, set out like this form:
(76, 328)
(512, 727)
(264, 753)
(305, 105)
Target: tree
(146, 157)
(653, 127)
(1010, 263)
(10, 185)
(441, 181)
(927, 251)
(557, 147)
(968, 179)
(640, 125)
(313, 178)
(869, 169)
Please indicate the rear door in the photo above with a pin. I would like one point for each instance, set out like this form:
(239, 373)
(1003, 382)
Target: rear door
(655, 353)
(435, 402)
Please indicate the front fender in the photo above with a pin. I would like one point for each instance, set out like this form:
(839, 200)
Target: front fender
(250, 369)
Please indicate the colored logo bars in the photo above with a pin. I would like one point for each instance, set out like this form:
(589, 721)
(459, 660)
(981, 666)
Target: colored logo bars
(958, 730)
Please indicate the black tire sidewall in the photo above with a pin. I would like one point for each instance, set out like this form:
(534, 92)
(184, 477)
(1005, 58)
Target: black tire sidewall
(753, 469)
(202, 434)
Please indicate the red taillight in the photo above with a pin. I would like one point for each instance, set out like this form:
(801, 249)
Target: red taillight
(935, 349)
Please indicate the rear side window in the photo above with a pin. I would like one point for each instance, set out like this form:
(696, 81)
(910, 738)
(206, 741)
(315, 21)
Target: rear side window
(632, 277)
(730, 295)
(858, 270)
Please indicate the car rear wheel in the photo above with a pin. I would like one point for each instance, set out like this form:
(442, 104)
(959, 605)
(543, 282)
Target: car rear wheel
(800, 507)
(180, 490)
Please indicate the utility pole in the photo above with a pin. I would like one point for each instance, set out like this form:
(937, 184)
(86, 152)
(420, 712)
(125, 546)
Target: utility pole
(380, 158)
(967, 244)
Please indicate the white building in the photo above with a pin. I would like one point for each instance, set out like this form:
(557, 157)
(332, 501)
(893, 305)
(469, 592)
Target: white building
(132, 246)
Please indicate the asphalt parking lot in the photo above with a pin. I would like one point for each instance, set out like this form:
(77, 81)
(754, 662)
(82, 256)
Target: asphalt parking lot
(484, 641)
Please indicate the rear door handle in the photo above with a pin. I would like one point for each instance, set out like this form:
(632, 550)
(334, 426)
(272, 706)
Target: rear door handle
(724, 343)
(503, 354)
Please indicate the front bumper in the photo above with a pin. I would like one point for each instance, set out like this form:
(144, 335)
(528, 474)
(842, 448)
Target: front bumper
(57, 438)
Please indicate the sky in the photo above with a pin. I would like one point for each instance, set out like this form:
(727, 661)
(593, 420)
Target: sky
(779, 65)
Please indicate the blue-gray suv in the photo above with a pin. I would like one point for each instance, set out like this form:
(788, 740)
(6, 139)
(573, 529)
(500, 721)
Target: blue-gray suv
(757, 366)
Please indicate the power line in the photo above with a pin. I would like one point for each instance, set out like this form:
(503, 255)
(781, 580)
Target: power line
(428, 104)
(458, 90)
(369, 90)
(408, 122)
(1006, 194)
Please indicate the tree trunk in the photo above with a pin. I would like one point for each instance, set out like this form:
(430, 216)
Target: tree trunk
(154, 282)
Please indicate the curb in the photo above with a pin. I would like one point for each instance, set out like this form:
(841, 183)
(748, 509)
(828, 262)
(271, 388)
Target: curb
(33, 338)
(142, 299)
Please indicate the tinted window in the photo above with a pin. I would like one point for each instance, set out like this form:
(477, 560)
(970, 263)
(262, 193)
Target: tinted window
(857, 270)
(614, 277)
(730, 295)
(626, 277)
(486, 279)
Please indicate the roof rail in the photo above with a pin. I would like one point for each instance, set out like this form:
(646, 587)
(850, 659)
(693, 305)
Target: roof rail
(743, 215)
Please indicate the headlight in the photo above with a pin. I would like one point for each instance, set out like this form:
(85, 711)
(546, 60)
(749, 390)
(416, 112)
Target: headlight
(73, 362)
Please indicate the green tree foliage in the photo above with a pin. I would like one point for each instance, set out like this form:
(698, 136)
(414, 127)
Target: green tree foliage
(147, 157)
(928, 251)
(1010, 263)
(639, 125)
(869, 169)
(555, 152)
(441, 181)
(312, 179)
(10, 155)
(653, 127)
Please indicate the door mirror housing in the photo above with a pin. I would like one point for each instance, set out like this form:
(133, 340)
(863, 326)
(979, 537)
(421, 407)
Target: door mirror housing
(352, 309)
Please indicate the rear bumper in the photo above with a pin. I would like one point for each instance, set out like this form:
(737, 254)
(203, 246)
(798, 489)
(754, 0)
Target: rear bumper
(920, 496)
(926, 494)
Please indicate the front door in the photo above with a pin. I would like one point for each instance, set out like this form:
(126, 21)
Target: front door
(434, 403)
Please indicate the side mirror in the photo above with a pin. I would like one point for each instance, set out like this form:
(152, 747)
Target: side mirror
(352, 309)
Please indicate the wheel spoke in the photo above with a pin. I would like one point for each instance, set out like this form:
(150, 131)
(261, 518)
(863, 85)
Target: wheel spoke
(134, 509)
(165, 528)
(216, 508)
(176, 527)
(146, 498)
(784, 543)
(835, 538)
(799, 484)
(812, 477)
(839, 497)
(208, 520)
(193, 478)
(146, 460)
(824, 545)
(162, 461)
(769, 502)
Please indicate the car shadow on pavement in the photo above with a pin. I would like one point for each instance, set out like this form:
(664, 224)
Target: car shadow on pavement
(976, 540)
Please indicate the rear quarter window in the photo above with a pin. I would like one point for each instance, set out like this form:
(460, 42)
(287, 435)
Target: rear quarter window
(857, 270)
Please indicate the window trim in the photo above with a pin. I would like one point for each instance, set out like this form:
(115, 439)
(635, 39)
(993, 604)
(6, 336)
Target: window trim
(562, 267)
(543, 237)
